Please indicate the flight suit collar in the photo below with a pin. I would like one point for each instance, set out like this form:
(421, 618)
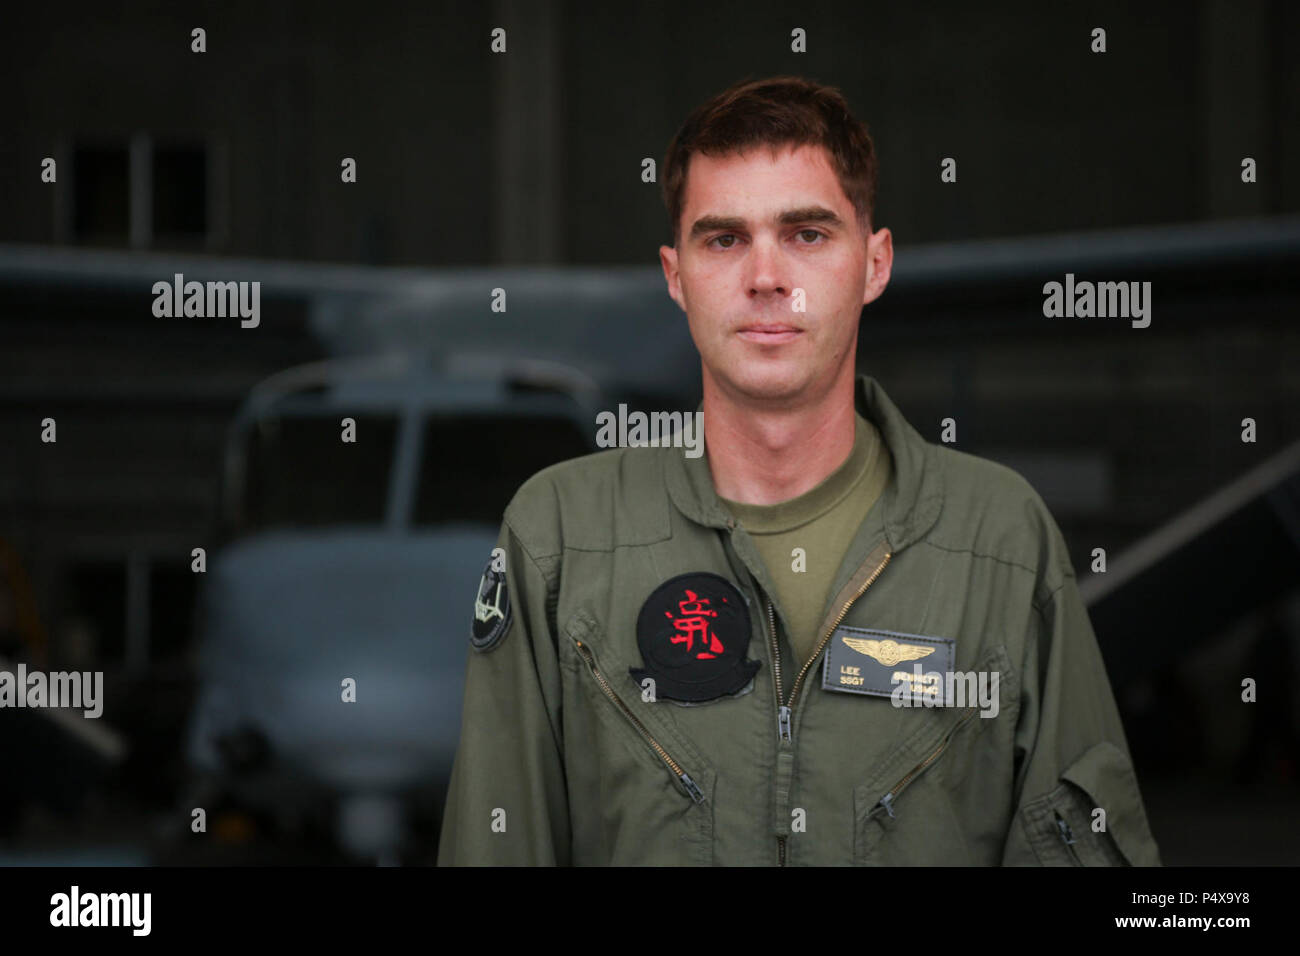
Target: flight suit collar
(911, 500)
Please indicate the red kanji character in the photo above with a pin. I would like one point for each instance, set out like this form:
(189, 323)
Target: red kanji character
(695, 621)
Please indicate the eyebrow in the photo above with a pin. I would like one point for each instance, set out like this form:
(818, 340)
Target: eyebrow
(810, 214)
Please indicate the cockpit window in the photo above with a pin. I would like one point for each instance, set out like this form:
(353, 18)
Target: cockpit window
(302, 473)
(472, 466)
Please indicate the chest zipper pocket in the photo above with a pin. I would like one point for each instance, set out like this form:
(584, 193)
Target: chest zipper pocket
(868, 834)
(688, 785)
(886, 804)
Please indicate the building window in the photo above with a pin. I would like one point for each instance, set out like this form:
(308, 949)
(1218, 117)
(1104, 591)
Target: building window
(180, 193)
(143, 194)
(101, 194)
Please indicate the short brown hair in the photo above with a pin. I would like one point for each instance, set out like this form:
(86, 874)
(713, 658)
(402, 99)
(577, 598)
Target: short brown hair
(775, 112)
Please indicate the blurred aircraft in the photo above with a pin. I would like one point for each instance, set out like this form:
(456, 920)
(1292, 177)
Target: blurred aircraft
(359, 561)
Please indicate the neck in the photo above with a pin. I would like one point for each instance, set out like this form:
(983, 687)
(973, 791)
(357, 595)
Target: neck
(765, 454)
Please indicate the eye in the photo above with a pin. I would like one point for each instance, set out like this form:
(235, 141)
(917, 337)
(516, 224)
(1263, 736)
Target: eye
(810, 236)
(730, 240)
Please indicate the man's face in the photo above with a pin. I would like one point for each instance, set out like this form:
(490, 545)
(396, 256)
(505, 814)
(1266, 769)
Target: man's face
(755, 229)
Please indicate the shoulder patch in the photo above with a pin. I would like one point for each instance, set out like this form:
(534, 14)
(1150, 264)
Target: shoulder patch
(491, 609)
(693, 632)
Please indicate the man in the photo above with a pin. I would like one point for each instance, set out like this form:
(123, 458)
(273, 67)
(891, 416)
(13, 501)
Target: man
(827, 640)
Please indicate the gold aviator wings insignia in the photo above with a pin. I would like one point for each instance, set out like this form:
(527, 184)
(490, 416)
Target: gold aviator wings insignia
(888, 652)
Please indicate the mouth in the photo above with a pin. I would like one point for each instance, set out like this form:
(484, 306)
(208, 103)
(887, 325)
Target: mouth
(769, 333)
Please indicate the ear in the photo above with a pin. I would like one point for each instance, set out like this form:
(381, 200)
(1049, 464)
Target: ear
(880, 260)
(668, 259)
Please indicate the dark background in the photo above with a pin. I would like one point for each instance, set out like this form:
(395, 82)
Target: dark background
(477, 170)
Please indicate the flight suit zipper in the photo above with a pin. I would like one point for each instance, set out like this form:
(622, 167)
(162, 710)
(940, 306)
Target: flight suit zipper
(1067, 837)
(785, 706)
(782, 711)
(803, 671)
(887, 801)
(692, 789)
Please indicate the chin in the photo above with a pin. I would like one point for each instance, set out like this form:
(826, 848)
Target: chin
(768, 380)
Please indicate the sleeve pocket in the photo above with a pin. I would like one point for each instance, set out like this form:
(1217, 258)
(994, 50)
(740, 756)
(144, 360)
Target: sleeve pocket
(1060, 823)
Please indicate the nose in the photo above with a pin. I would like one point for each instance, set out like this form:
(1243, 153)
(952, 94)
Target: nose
(767, 269)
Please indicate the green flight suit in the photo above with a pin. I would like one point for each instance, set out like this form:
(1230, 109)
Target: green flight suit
(564, 759)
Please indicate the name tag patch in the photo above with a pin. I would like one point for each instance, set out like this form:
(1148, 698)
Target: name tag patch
(877, 663)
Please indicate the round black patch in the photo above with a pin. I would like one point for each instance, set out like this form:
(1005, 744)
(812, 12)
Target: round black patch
(491, 610)
(693, 632)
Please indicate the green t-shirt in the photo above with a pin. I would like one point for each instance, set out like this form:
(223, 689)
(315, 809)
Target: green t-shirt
(822, 522)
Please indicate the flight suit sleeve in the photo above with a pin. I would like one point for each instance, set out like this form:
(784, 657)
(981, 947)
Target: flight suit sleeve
(1076, 799)
(507, 801)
